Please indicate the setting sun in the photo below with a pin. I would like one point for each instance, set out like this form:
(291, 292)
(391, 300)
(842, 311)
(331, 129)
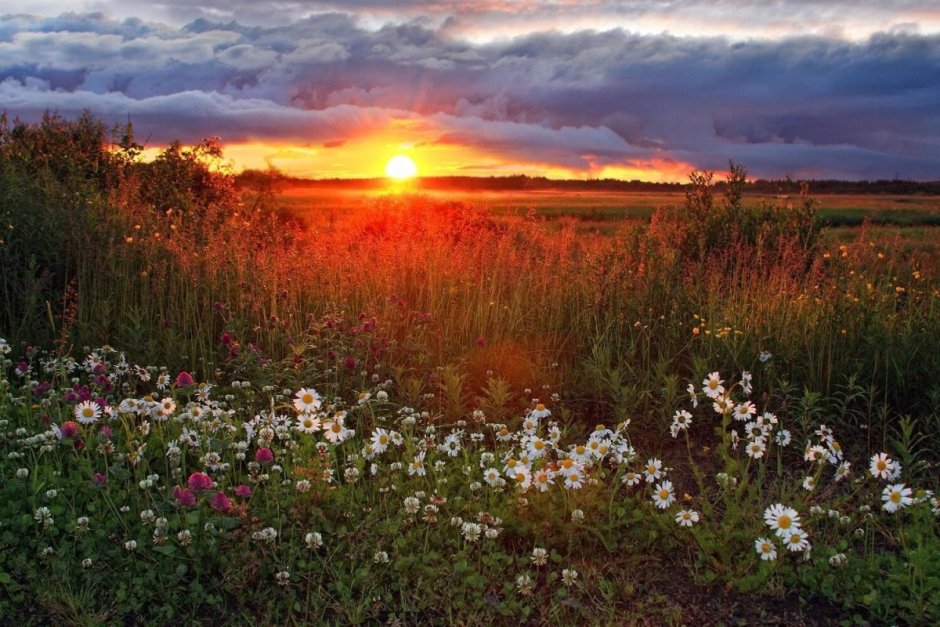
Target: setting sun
(400, 167)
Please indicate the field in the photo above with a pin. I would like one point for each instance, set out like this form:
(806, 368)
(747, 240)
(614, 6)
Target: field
(292, 405)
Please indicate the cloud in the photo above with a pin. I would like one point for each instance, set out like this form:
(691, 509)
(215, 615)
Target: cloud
(581, 100)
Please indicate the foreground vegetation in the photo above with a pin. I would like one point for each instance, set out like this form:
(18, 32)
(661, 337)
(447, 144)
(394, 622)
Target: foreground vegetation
(465, 339)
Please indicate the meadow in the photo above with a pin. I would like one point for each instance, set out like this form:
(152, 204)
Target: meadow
(259, 404)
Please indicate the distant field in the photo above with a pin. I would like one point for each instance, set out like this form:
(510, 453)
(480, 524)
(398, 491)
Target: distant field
(915, 218)
(835, 209)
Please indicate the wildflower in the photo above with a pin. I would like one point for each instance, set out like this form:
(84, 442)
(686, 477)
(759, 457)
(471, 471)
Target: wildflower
(184, 379)
(766, 549)
(783, 437)
(896, 497)
(782, 519)
(303, 486)
(220, 502)
(69, 429)
(334, 429)
(185, 537)
(313, 540)
(687, 517)
(307, 401)
(692, 395)
(543, 479)
(43, 515)
(681, 420)
(663, 496)
(765, 356)
(147, 516)
(797, 540)
(712, 385)
(881, 466)
(492, 476)
(756, 448)
(539, 412)
(631, 478)
(838, 559)
(351, 474)
(87, 412)
(523, 479)
(243, 491)
(412, 505)
(380, 441)
(282, 577)
(653, 470)
(86, 563)
(577, 515)
(81, 524)
(471, 531)
(539, 556)
(22, 473)
(722, 405)
(130, 545)
(199, 482)
(184, 497)
(809, 484)
(568, 577)
(574, 481)
(380, 557)
(308, 423)
(416, 467)
(746, 386)
(744, 411)
(264, 455)
(524, 585)
(451, 445)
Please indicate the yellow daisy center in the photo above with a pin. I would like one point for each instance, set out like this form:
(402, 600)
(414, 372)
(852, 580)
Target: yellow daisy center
(307, 398)
(784, 522)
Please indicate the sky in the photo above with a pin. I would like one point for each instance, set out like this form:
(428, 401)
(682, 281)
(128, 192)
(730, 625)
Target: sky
(633, 89)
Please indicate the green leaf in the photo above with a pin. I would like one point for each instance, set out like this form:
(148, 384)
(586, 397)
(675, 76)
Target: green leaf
(5, 578)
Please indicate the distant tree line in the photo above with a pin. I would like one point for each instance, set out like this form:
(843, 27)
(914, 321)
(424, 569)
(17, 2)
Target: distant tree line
(520, 182)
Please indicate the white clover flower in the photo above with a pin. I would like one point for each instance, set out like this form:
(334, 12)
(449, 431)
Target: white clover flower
(412, 505)
(471, 531)
(282, 577)
(313, 540)
(86, 563)
(524, 585)
(568, 577)
(22, 473)
(577, 515)
(380, 557)
(130, 545)
(539, 556)
(44, 516)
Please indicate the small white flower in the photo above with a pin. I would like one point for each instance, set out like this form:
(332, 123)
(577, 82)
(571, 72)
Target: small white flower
(568, 577)
(539, 556)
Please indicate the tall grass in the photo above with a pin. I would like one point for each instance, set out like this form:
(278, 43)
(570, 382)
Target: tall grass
(165, 257)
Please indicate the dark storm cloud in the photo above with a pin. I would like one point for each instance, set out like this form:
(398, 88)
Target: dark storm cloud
(582, 100)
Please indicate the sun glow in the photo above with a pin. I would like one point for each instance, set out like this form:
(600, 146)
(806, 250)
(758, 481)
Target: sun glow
(401, 167)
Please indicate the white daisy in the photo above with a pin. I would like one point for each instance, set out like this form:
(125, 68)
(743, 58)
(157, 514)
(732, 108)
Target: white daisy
(712, 385)
(687, 517)
(87, 412)
(896, 497)
(307, 401)
(663, 496)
